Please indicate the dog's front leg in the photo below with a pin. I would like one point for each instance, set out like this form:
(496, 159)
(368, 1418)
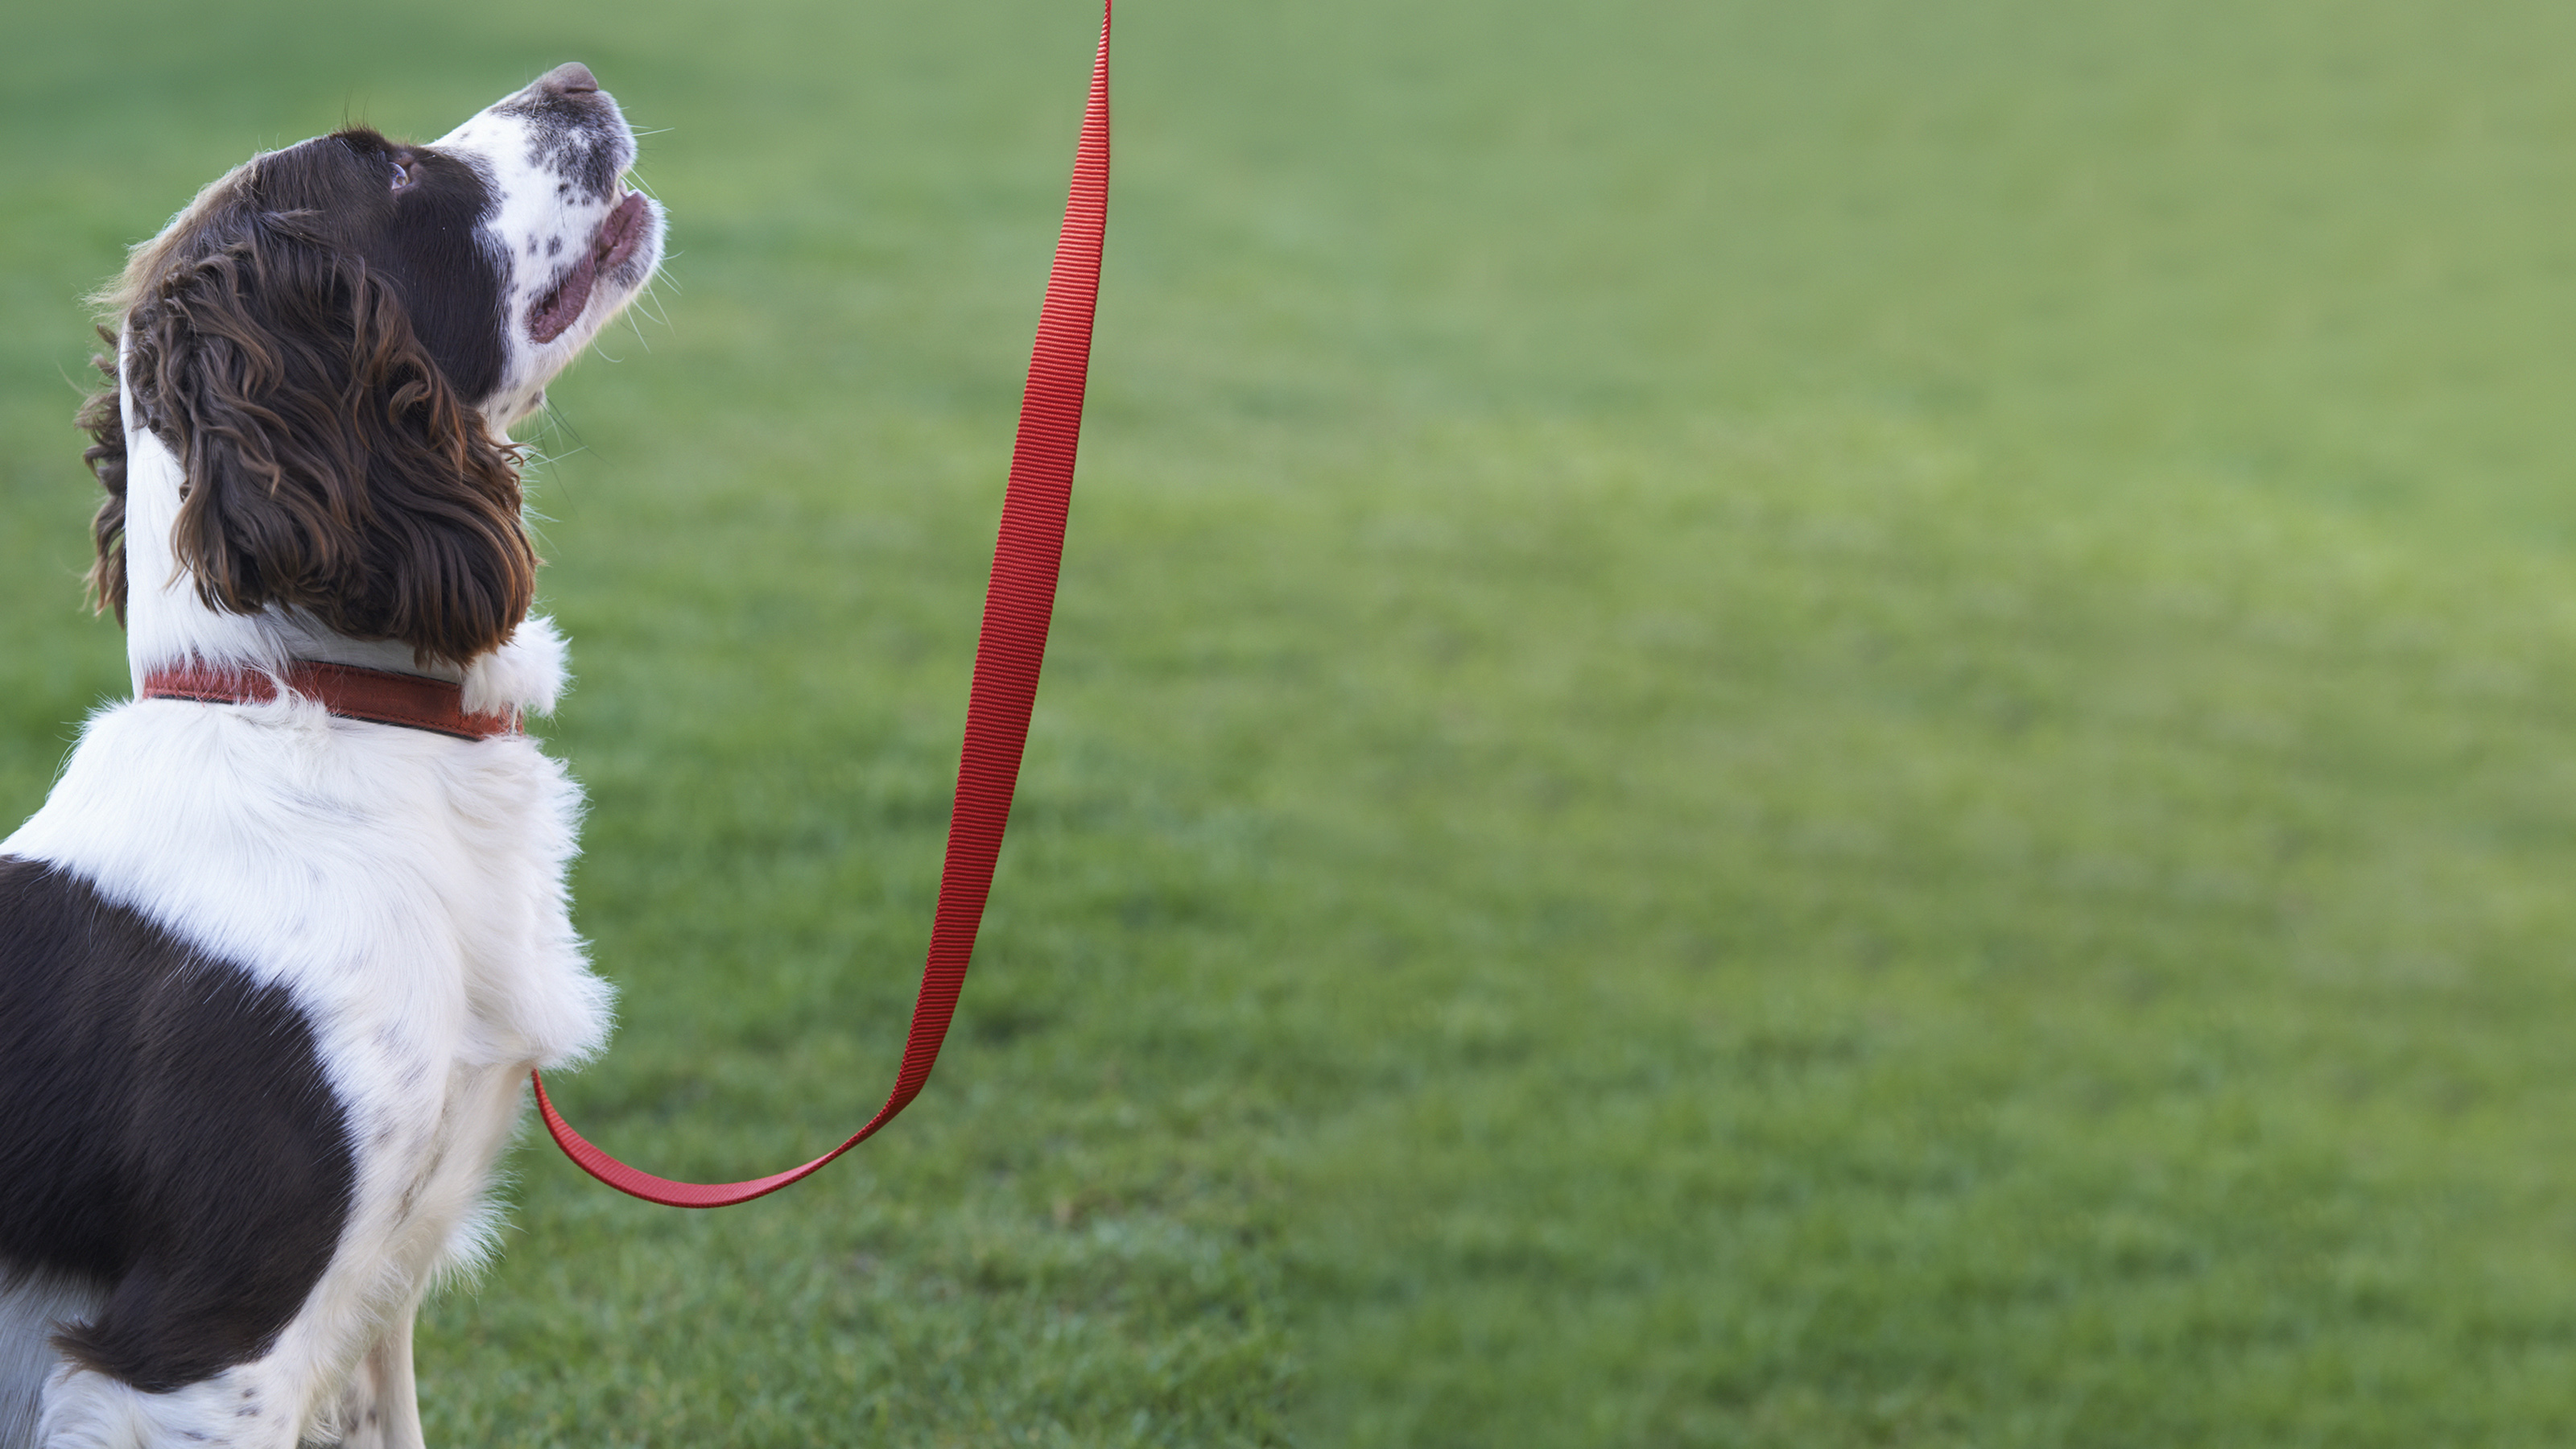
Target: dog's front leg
(382, 1407)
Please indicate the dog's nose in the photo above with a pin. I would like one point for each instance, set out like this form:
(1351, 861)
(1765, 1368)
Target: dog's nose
(571, 78)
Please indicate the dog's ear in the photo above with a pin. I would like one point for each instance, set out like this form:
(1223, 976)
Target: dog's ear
(104, 421)
(329, 466)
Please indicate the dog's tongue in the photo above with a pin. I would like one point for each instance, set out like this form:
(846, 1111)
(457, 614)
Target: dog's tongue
(614, 242)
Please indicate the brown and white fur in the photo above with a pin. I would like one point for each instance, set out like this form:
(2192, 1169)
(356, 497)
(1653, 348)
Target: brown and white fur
(271, 980)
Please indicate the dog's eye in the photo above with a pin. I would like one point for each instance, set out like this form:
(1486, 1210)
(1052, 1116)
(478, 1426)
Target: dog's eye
(402, 170)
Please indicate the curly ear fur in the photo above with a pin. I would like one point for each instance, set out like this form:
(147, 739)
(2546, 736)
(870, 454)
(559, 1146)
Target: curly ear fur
(329, 466)
(104, 421)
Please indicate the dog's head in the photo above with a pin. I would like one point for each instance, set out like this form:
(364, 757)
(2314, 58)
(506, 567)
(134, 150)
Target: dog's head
(332, 341)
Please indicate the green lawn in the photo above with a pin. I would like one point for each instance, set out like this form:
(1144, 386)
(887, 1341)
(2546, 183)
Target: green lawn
(1837, 724)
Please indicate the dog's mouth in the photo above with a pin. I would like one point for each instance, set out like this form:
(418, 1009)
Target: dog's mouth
(610, 246)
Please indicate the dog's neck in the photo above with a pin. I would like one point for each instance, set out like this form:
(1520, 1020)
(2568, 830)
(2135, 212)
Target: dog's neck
(168, 625)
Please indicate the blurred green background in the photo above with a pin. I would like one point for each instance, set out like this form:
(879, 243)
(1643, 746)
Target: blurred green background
(1771, 725)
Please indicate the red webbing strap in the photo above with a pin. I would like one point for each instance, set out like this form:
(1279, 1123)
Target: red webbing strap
(1017, 608)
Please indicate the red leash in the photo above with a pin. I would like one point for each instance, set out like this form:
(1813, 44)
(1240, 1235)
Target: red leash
(1017, 608)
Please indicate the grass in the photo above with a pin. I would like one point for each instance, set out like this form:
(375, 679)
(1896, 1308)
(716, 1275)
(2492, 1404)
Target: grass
(1814, 725)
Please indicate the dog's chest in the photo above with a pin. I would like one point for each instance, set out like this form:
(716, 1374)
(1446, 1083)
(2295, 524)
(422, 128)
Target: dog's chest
(406, 889)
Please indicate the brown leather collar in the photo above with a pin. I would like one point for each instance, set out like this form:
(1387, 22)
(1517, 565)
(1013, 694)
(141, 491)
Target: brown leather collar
(375, 695)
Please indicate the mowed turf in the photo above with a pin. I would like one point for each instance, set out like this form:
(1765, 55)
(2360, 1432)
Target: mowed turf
(1818, 725)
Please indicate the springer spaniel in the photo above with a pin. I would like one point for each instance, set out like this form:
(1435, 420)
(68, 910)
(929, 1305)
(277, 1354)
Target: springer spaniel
(279, 950)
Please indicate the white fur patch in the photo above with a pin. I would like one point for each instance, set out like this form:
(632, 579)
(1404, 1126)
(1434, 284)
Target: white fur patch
(527, 673)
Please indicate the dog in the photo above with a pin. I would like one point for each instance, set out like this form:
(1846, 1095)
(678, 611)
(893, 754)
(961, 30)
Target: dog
(280, 948)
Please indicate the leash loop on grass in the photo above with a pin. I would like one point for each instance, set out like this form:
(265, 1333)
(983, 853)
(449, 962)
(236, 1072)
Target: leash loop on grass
(1017, 608)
